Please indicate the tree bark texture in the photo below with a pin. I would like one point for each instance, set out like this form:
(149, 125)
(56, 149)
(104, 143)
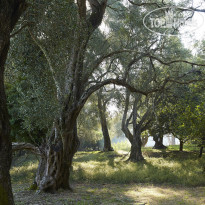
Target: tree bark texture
(56, 159)
(10, 11)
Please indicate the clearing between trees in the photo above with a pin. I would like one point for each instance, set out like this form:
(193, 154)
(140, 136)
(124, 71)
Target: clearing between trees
(165, 177)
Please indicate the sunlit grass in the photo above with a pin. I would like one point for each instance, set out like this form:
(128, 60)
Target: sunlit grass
(23, 169)
(164, 167)
(159, 167)
(165, 195)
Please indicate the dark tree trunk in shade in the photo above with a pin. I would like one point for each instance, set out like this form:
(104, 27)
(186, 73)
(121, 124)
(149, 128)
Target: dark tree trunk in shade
(136, 151)
(5, 143)
(181, 145)
(10, 12)
(201, 151)
(103, 121)
(158, 142)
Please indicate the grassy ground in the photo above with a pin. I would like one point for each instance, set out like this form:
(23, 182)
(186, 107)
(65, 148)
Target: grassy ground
(165, 177)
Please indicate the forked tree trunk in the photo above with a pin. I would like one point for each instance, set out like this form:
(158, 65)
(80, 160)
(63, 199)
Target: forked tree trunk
(158, 142)
(181, 145)
(135, 138)
(103, 121)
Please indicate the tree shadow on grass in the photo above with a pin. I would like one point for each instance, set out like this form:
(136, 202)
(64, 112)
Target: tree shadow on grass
(96, 156)
(157, 172)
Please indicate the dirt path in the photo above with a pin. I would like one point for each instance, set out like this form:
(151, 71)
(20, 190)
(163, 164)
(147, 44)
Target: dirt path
(90, 194)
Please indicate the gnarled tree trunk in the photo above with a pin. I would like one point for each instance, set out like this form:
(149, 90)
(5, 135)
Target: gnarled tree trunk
(10, 12)
(56, 160)
(54, 169)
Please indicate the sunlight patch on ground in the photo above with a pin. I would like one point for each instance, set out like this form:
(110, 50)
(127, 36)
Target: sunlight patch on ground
(163, 195)
(112, 194)
(122, 152)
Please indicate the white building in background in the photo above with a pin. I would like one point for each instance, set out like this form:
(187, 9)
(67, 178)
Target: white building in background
(168, 139)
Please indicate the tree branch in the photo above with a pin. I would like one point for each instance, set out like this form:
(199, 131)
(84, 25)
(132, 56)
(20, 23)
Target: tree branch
(98, 11)
(19, 7)
(57, 84)
(25, 146)
(147, 3)
(19, 30)
(175, 61)
(82, 8)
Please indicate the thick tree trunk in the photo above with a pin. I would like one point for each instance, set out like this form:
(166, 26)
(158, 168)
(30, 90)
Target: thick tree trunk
(10, 12)
(158, 142)
(136, 148)
(181, 145)
(6, 197)
(201, 151)
(55, 164)
(103, 121)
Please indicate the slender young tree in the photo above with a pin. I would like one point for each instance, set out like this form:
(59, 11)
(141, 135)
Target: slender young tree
(102, 114)
(141, 116)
